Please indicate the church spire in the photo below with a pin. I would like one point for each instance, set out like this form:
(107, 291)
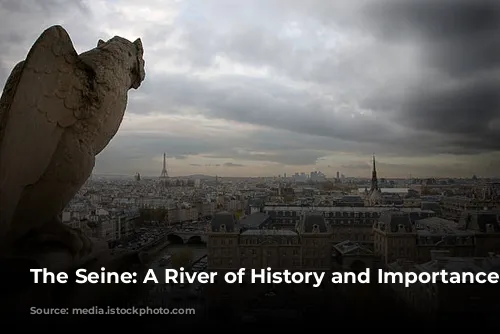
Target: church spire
(374, 176)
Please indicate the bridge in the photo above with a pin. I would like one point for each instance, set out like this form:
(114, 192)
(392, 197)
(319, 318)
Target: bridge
(181, 237)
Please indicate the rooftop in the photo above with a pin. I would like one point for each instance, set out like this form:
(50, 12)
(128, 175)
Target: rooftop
(348, 247)
(269, 232)
(313, 222)
(344, 209)
(255, 219)
(439, 226)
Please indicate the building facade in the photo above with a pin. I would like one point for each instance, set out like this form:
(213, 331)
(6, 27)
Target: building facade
(398, 235)
(232, 247)
(438, 299)
(346, 223)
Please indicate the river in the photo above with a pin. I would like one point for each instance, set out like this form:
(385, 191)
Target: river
(197, 249)
(178, 295)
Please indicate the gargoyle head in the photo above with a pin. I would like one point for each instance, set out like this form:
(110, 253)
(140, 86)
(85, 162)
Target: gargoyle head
(131, 53)
(138, 71)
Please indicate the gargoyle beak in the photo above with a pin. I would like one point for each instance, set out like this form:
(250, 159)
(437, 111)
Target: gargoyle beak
(140, 73)
(136, 84)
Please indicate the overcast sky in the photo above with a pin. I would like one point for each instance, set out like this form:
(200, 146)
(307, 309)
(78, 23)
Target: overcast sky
(266, 87)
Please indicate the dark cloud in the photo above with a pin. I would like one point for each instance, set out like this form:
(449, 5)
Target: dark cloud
(466, 109)
(364, 166)
(47, 7)
(295, 152)
(285, 157)
(419, 125)
(23, 21)
(459, 36)
(459, 40)
(260, 102)
(230, 164)
(177, 147)
(413, 78)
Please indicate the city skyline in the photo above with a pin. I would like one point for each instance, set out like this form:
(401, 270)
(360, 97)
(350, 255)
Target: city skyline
(271, 87)
(328, 171)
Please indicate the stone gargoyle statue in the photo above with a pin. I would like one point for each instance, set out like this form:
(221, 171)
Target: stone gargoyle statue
(58, 110)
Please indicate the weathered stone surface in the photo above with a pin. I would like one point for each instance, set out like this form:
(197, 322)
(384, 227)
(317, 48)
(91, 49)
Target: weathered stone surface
(57, 112)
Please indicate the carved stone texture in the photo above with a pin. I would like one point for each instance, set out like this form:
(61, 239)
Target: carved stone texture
(58, 110)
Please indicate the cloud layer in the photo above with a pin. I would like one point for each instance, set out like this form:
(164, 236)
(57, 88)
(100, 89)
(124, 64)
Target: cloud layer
(265, 87)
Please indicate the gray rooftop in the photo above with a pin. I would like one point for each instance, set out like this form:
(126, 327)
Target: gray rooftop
(394, 220)
(378, 209)
(255, 220)
(348, 246)
(224, 221)
(313, 222)
(481, 219)
(439, 226)
(351, 198)
(269, 232)
(433, 206)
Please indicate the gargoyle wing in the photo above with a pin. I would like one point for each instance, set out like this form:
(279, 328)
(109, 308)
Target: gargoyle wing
(46, 95)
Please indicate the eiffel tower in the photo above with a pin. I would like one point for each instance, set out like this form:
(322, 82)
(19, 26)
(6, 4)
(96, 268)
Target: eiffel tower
(164, 173)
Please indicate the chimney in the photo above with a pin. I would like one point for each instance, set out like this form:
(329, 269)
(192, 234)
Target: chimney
(490, 228)
(435, 254)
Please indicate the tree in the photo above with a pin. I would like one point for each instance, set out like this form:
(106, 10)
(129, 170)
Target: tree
(182, 258)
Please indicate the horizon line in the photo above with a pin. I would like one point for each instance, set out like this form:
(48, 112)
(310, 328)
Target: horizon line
(290, 177)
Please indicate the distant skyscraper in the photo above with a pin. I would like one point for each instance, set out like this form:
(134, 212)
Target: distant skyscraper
(338, 175)
(164, 173)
